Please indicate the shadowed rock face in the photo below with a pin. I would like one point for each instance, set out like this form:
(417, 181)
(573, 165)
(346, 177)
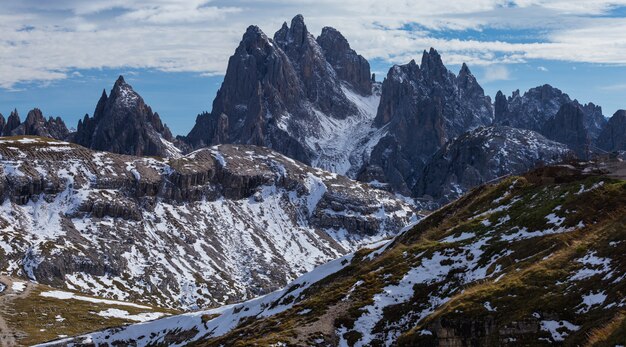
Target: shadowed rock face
(482, 155)
(568, 127)
(349, 66)
(533, 109)
(280, 92)
(123, 123)
(12, 122)
(613, 136)
(422, 107)
(36, 124)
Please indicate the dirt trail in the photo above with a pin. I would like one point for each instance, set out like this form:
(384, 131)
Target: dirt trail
(8, 335)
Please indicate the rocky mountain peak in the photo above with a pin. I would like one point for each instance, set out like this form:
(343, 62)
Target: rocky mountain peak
(613, 136)
(284, 92)
(12, 122)
(482, 155)
(464, 70)
(253, 35)
(123, 123)
(567, 127)
(295, 35)
(349, 66)
(432, 65)
(533, 109)
(123, 94)
(35, 124)
(422, 108)
(2, 123)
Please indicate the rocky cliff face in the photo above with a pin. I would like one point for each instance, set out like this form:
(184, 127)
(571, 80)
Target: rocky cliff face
(12, 122)
(567, 126)
(483, 155)
(289, 94)
(613, 136)
(421, 108)
(123, 123)
(533, 109)
(216, 226)
(348, 65)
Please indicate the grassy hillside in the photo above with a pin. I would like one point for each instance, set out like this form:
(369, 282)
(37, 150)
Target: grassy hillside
(533, 260)
(32, 313)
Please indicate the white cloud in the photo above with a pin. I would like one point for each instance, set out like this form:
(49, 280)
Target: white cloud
(614, 87)
(200, 35)
(542, 68)
(496, 73)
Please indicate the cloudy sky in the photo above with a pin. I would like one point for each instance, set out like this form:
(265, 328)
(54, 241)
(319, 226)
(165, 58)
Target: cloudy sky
(59, 55)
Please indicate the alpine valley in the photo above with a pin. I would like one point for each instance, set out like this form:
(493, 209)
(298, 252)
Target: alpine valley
(316, 206)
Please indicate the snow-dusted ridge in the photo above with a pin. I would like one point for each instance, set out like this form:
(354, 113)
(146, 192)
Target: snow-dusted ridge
(224, 319)
(454, 269)
(219, 225)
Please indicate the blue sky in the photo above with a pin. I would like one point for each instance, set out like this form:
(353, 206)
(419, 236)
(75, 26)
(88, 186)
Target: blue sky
(59, 55)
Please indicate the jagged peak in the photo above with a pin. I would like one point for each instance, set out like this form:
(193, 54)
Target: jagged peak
(123, 93)
(334, 34)
(621, 113)
(253, 31)
(34, 113)
(465, 70)
(431, 61)
(120, 81)
(298, 21)
(296, 33)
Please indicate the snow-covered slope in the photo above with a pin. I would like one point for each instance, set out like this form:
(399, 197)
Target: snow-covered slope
(343, 145)
(533, 260)
(219, 225)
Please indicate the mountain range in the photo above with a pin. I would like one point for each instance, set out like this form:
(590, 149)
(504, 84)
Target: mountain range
(316, 101)
(319, 206)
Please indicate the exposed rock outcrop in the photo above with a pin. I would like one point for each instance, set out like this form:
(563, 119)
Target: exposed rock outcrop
(482, 155)
(613, 136)
(289, 94)
(421, 108)
(37, 125)
(568, 127)
(123, 123)
(538, 105)
(349, 66)
(12, 122)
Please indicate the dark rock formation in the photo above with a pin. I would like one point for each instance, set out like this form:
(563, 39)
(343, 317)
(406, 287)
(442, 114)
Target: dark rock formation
(36, 124)
(482, 155)
(533, 109)
(279, 92)
(349, 66)
(123, 123)
(422, 107)
(12, 122)
(613, 136)
(2, 123)
(568, 127)
(318, 77)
